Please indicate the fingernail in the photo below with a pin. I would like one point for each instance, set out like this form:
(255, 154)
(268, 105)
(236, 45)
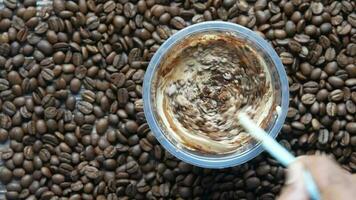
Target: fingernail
(294, 172)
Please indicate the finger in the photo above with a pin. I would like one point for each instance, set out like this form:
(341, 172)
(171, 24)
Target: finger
(354, 179)
(324, 170)
(289, 193)
(294, 188)
(333, 181)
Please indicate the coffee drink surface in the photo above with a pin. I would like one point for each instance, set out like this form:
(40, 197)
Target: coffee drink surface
(202, 84)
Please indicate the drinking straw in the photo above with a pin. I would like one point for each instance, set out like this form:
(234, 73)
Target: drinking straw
(277, 151)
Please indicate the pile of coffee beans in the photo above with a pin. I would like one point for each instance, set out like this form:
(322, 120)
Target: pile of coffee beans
(71, 95)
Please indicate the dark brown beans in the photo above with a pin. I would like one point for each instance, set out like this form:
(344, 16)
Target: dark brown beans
(336, 81)
(71, 96)
(102, 126)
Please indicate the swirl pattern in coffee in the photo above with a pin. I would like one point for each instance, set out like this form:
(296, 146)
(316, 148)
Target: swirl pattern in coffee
(202, 84)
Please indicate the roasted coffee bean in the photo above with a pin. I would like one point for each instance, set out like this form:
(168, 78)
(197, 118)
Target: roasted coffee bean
(130, 10)
(45, 47)
(122, 96)
(6, 154)
(44, 155)
(336, 82)
(6, 175)
(118, 79)
(336, 95)
(350, 107)
(102, 126)
(145, 145)
(88, 96)
(331, 109)
(323, 136)
(85, 107)
(119, 22)
(71, 139)
(8, 108)
(92, 22)
(308, 99)
(91, 172)
(77, 186)
(47, 74)
(311, 87)
(58, 178)
(75, 85)
(178, 22)
(3, 135)
(351, 127)
(18, 159)
(331, 68)
(4, 84)
(109, 6)
(16, 133)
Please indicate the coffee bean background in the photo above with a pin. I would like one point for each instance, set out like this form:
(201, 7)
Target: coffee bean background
(71, 95)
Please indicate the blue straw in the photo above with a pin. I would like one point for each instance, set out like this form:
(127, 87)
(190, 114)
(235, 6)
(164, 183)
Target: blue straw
(278, 152)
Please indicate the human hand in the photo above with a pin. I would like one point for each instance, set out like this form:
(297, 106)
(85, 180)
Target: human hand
(332, 181)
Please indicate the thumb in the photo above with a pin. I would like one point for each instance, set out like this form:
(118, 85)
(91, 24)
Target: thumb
(294, 188)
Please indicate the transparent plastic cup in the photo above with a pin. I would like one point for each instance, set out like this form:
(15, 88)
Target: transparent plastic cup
(279, 82)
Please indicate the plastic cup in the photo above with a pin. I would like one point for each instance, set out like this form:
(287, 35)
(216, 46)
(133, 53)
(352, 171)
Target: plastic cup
(279, 82)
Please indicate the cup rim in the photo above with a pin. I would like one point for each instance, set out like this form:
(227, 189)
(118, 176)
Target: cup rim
(228, 160)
